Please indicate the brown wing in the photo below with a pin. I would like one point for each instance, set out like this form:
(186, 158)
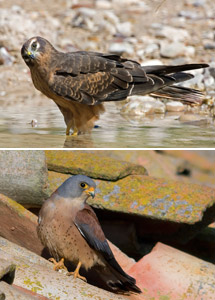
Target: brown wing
(89, 227)
(92, 78)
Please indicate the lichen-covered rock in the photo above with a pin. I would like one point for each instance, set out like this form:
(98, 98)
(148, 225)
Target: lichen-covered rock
(92, 165)
(37, 275)
(23, 176)
(13, 292)
(150, 197)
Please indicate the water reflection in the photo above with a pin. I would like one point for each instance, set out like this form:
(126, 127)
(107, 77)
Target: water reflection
(114, 131)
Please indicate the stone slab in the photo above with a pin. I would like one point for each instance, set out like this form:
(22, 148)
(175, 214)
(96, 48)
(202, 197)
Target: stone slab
(167, 273)
(23, 176)
(91, 164)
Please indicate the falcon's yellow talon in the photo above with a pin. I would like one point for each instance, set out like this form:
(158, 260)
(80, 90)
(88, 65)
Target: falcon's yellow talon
(58, 265)
(76, 273)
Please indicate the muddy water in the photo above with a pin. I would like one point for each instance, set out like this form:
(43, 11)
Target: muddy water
(113, 131)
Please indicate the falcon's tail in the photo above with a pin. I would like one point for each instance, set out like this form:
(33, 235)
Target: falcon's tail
(164, 79)
(118, 282)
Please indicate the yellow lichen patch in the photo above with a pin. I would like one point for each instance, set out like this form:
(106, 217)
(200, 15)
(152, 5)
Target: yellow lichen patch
(30, 282)
(35, 289)
(147, 196)
(166, 199)
(90, 164)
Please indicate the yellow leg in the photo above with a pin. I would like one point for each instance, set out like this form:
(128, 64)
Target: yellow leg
(76, 273)
(68, 129)
(69, 124)
(58, 265)
(75, 132)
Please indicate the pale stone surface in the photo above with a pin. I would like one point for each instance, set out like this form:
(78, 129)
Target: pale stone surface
(23, 176)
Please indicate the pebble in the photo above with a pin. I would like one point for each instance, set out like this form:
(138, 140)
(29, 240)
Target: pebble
(212, 69)
(142, 105)
(209, 81)
(189, 51)
(103, 4)
(5, 57)
(193, 119)
(124, 28)
(197, 81)
(209, 46)
(151, 48)
(189, 14)
(175, 106)
(16, 26)
(2, 93)
(172, 50)
(179, 61)
(198, 3)
(105, 20)
(171, 33)
(120, 48)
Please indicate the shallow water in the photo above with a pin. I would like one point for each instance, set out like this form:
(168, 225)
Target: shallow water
(114, 131)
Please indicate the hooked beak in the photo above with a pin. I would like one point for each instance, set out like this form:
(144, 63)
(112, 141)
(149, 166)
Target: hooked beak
(27, 55)
(90, 192)
(30, 54)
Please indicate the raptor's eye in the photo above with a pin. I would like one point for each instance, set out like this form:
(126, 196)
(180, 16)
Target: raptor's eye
(34, 46)
(83, 185)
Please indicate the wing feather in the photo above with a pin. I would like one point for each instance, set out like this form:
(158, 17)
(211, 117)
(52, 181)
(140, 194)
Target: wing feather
(88, 225)
(92, 78)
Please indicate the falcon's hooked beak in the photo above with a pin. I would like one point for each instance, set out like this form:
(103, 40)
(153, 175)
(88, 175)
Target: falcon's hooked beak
(90, 192)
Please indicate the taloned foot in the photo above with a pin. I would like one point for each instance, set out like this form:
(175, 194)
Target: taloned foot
(58, 265)
(76, 273)
(75, 131)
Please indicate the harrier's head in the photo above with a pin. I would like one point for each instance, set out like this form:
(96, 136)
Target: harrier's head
(34, 49)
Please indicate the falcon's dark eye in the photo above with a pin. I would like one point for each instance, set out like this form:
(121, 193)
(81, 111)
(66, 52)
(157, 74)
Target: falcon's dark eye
(83, 185)
(34, 46)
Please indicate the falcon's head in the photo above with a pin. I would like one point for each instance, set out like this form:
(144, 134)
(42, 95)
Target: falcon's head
(77, 187)
(34, 49)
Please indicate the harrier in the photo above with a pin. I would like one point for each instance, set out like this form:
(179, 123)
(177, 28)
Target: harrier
(69, 228)
(80, 82)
